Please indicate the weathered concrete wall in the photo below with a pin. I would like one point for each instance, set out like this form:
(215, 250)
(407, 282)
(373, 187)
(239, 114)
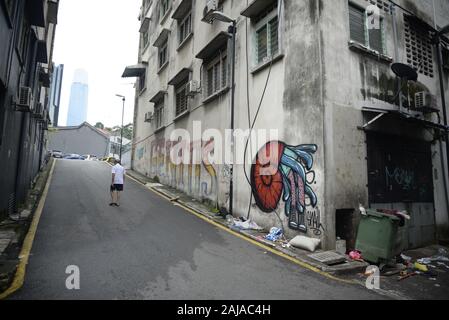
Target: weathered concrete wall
(353, 80)
(315, 93)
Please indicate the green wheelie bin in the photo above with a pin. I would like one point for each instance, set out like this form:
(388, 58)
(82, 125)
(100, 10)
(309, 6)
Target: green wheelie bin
(377, 236)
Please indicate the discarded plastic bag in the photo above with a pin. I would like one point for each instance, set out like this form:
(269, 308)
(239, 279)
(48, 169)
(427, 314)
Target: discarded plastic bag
(274, 235)
(247, 225)
(355, 255)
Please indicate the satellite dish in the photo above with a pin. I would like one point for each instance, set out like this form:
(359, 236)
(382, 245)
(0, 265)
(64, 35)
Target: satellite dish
(404, 71)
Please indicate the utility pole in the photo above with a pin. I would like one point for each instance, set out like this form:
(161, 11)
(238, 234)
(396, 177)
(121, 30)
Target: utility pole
(121, 130)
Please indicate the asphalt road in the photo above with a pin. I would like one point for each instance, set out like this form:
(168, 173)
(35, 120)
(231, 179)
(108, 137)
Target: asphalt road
(151, 249)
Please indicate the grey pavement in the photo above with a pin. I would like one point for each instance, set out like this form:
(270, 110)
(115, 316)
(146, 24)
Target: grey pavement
(150, 249)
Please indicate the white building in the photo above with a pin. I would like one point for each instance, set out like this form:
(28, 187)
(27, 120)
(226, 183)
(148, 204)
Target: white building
(319, 74)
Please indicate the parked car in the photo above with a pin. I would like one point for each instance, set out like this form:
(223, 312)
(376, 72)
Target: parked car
(73, 157)
(90, 157)
(57, 154)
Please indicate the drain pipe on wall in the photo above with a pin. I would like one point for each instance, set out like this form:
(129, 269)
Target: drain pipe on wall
(444, 164)
(396, 49)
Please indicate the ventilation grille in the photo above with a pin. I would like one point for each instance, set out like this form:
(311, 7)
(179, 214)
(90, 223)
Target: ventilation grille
(11, 203)
(418, 48)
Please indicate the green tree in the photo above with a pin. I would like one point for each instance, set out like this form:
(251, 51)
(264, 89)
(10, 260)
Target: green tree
(99, 125)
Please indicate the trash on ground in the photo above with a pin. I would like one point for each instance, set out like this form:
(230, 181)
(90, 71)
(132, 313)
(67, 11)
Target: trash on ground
(406, 258)
(429, 260)
(355, 255)
(305, 243)
(388, 272)
(274, 235)
(421, 267)
(247, 225)
(405, 275)
(442, 264)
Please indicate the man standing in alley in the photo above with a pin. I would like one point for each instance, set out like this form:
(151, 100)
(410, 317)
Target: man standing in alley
(118, 181)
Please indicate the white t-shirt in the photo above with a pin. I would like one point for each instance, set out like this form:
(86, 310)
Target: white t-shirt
(119, 173)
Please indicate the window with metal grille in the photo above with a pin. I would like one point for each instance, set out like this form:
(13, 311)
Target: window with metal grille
(182, 102)
(163, 54)
(216, 75)
(165, 6)
(418, 46)
(373, 38)
(145, 40)
(159, 114)
(267, 38)
(185, 28)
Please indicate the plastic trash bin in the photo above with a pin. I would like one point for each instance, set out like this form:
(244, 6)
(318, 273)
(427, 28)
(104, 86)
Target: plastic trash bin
(377, 236)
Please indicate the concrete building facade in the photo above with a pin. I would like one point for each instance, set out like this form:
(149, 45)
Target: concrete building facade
(27, 31)
(319, 74)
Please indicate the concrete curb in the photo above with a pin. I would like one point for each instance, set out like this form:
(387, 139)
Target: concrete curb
(345, 269)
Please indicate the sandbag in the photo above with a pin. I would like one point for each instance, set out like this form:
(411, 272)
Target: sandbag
(305, 243)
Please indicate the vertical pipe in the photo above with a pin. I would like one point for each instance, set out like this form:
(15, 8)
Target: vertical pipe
(121, 131)
(231, 182)
(396, 50)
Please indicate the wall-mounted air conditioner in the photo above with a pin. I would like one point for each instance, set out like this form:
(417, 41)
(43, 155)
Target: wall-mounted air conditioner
(425, 102)
(192, 88)
(24, 100)
(211, 6)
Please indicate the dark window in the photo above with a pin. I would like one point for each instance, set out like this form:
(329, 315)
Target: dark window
(165, 6)
(159, 113)
(372, 38)
(267, 35)
(163, 54)
(357, 24)
(145, 40)
(142, 82)
(181, 97)
(216, 75)
(185, 28)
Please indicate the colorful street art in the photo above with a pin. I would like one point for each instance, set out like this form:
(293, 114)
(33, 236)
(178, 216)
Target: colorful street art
(187, 177)
(283, 171)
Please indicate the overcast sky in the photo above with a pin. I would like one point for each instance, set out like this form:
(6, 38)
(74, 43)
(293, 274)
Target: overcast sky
(102, 37)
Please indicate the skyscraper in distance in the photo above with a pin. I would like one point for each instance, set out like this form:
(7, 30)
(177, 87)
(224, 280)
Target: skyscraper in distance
(78, 99)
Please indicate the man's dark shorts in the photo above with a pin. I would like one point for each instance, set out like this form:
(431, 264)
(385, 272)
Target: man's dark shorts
(117, 187)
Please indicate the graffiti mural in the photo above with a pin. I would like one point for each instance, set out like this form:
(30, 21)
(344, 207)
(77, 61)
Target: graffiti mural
(283, 171)
(197, 178)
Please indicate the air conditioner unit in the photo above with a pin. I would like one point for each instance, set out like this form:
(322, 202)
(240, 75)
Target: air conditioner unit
(148, 116)
(192, 88)
(425, 102)
(211, 6)
(24, 99)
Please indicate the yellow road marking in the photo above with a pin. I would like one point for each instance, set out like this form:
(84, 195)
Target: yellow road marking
(28, 242)
(248, 239)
